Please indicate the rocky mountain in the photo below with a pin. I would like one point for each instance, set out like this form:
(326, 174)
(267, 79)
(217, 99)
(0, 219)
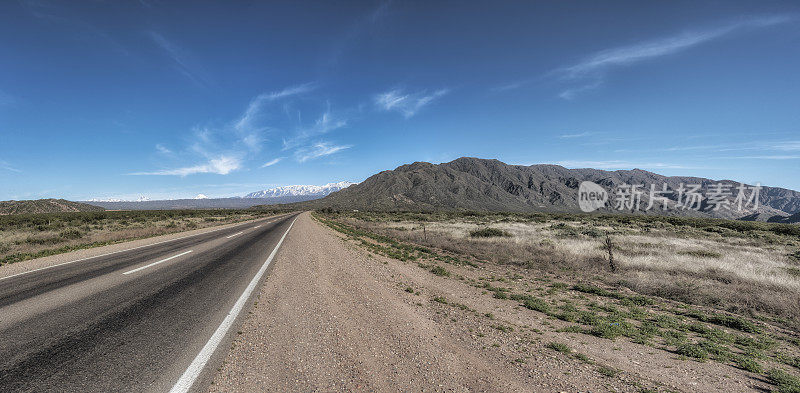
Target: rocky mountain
(44, 206)
(793, 219)
(490, 185)
(300, 190)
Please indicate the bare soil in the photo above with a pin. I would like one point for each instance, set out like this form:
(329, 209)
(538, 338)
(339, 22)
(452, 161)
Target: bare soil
(333, 316)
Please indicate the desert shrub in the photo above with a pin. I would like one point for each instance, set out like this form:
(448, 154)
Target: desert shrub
(793, 361)
(786, 383)
(489, 232)
(559, 347)
(608, 371)
(536, 305)
(748, 364)
(694, 351)
(72, 233)
(44, 240)
(440, 271)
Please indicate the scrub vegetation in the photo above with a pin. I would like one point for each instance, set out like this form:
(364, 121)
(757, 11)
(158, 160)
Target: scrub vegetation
(28, 236)
(704, 290)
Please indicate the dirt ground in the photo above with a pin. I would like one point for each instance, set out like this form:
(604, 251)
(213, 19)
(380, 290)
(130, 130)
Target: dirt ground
(332, 317)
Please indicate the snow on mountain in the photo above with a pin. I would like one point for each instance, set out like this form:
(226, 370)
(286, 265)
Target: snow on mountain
(300, 190)
(201, 196)
(139, 199)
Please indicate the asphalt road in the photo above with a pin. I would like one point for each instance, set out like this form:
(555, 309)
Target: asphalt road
(136, 320)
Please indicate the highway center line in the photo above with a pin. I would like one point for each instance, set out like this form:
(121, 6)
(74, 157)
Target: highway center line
(235, 234)
(156, 263)
(115, 252)
(193, 371)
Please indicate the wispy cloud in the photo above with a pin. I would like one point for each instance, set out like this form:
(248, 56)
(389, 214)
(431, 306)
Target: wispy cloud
(269, 116)
(272, 162)
(221, 165)
(4, 166)
(325, 123)
(180, 59)
(590, 72)
(317, 150)
(765, 157)
(249, 126)
(162, 149)
(578, 135)
(571, 93)
(408, 104)
(254, 109)
(662, 47)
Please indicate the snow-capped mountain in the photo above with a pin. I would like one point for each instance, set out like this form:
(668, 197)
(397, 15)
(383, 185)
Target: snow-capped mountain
(201, 196)
(300, 190)
(139, 199)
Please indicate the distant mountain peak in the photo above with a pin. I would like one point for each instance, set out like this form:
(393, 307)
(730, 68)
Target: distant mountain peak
(300, 190)
(470, 183)
(139, 199)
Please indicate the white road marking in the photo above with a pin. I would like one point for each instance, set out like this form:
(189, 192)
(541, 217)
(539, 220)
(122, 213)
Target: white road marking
(115, 252)
(193, 371)
(156, 263)
(235, 234)
(257, 226)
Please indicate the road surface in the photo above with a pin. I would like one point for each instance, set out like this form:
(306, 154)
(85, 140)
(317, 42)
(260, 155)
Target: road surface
(155, 318)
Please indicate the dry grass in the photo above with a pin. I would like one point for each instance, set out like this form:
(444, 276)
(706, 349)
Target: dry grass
(746, 273)
(30, 236)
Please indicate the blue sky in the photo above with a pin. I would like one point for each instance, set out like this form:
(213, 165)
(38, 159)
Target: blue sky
(103, 99)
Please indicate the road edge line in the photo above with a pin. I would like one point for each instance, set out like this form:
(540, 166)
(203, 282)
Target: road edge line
(194, 370)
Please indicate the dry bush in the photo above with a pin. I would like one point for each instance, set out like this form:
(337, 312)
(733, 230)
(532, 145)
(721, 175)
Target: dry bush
(714, 267)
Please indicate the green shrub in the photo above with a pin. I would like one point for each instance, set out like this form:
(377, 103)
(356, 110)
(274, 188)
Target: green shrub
(692, 351)
(608, 371)
(440, 271)
(536, 305)
(786, 383)
(748, 364)
(559, 347)
(489, 232)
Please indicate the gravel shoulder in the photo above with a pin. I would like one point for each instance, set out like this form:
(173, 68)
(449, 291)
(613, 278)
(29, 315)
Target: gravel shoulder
(332, 316)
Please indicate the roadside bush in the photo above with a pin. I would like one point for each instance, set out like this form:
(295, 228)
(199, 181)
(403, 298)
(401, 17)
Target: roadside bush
(489, 232)
(72, 233)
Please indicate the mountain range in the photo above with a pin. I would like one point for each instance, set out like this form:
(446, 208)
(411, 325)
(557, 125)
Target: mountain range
(474, 184)
(490, 185)
(305, 190)
(272, 196)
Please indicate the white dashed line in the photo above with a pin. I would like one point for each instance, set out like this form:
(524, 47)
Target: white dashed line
(156, 263)
(235, 234)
